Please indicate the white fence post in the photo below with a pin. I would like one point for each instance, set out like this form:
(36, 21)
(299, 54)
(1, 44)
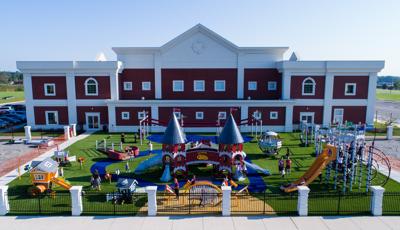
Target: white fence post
(73, 126)
(389, 132)
(4, 205)
(28, 134)
(67, 135)
(377, 200)
(226, 200)
(302, 201)
(151, 200)
(76, 200)
(97, 145)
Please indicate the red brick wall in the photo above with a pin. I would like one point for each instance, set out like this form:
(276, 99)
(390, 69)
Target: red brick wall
(318, 113)
(189, 113)
(40, 114)
(265, 114)
(361, 87)
(297, 83)
(136, 76)
(38, 87)
(133, 114)
(103, 87)
(81, 110)
(354, 114)
(262, 76)
(208, 75)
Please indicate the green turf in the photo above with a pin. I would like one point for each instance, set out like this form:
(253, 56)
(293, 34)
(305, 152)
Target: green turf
(389, 95)
(16, 96)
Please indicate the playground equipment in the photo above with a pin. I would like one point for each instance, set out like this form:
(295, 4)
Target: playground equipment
(125, 188)
(269, 143)
(43, 174)
(307, 133)
(112, 153)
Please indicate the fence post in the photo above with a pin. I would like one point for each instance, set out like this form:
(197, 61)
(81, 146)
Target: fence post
(151, 200)
(226, 200)
(377, 200)
(28, 134)
(67, 135)
(389, 132)
(73, 126)
(76, 200)
(4, 205)
(302, 200)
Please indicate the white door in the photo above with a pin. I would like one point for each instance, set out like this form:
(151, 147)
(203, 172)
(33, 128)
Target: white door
(307, 117)
(92, 121)
(338, 116)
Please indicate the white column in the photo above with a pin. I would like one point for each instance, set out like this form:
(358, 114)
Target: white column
(76, 200)
(151, 200)
(289, 118)
(377, 200)
(154, 112)
(157, 75)
(286, 82)
(30, 115)
(4, 205)
(327, 114)
(302, 202)
(389, 132)
(67, 135)
(73, 126)
(71, 98)
(114, 86)
(28, 133)
(112, 121)
(226, 200)
(371, 98)
(240, 77)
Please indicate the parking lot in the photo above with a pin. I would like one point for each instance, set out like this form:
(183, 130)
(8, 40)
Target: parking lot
(12, 117)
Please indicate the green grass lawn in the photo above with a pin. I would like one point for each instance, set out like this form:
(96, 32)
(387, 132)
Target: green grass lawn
(389, 95)
(16, 96)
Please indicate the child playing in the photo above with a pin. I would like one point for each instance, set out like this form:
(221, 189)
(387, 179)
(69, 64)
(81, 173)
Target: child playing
(281, 167)
(288, 165)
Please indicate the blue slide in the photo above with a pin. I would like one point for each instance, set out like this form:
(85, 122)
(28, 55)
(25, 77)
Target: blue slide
(151, 162)
(257, 168)
(166, 176)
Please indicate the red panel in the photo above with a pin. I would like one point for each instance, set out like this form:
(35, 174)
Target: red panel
(361, 87)
(136, 76)
(318, 113)
(208, 75)
(103, 87)
(81, 110)
(265, 114)
(189, 113)
(262, 76)
(297, 83)
(38, 87)
(40, 114)
(354, 114)
(133, 114)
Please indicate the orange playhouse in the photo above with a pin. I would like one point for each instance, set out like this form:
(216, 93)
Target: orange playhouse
(43, 174)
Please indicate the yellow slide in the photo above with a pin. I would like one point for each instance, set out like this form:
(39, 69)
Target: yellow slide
(61, 182)
(328, 155)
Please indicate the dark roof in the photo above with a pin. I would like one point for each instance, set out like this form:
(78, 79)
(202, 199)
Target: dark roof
(174, 133)
(230, 133)
(125, 183)
(47, 165)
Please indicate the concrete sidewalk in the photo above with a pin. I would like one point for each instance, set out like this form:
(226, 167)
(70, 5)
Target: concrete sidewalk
(200, 223)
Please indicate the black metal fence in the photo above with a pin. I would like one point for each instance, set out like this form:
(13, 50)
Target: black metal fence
(391, 203)
(355, 203)
(53, 203)
(102, 203)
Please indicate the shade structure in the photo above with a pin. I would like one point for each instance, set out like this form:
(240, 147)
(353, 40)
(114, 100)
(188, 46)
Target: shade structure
(230, 133)
(174, 133)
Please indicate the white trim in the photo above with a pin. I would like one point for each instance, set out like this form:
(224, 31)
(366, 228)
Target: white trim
(345, 89)
(45, 89)
(252, 85)
(146, 85)
(222, 115)
(174, 85)
(257, 115)
(199, 81)
(86, 87)
(128, 86)
(87, 114)
(313, 87)
(335, 115)
(55, 117)
(125, 115)
(215, 85)
(270, 84)
(286, 85)
(38, 176)
(312, 114)
(199, 115)
(141, 115)
(273, 115)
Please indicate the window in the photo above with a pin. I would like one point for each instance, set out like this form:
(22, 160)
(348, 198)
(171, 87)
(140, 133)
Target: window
(141, 115)
(199, 115)
(273, 115)
(350, 89)
(39, 177)
(198, 86)
(49, 89)
(308, 86)
(272, 85)
(219, 85)
(91, 87)
(177, 115)
(51, 117)
(252, 85)
(307, 117)
(257, 115)
(127, 85)
(125, 115)
(177, 86)
(338, 116)
(221, 115)
(146, 86)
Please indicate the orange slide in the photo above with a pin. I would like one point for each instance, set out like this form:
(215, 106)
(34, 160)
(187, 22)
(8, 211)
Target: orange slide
(328, 155)
(61, 182)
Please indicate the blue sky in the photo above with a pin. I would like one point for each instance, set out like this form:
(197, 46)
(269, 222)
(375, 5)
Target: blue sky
(316, 29)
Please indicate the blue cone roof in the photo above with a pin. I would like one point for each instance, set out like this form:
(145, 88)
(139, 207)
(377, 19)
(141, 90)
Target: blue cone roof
(230, 133)
(174, 133)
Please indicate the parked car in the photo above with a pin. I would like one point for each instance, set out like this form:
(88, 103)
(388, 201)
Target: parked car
(17, 107)
(7, 123)
(21, 116)
(16, 117)
(9, 119)
(3, 124)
